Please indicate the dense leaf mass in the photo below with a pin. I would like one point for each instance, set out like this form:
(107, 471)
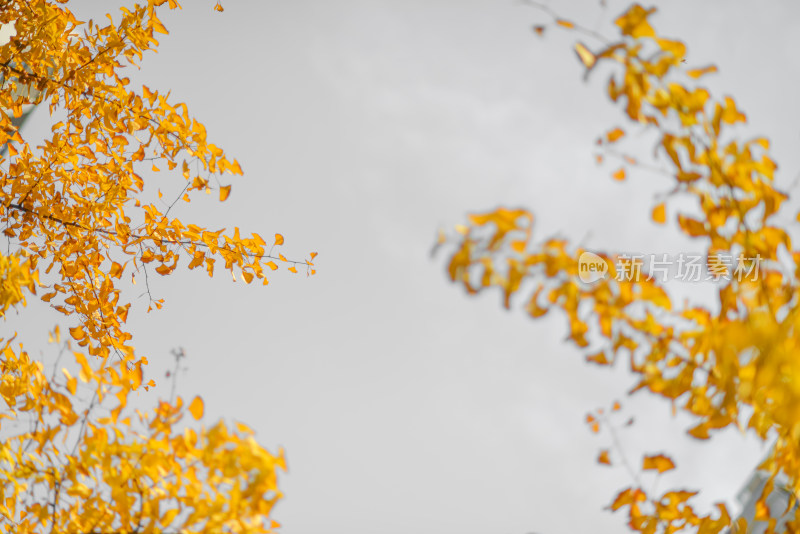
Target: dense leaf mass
(74, 456)
(735, 364)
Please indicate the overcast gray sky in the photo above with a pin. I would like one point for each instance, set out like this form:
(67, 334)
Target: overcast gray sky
(363, 127)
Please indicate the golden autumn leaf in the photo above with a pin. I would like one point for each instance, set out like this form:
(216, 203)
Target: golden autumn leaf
(116, 270)
(218, 7)
(614, 135)
(594, 425)
(278, 239)
(603, 457)
(697, 73)
(565, 23)
(762, 512)
(628, 497)
(224, 192)
(699, 431)
(587, 58)
(691, 226)
(169, 516)
(659, 214)
(658, 462)
(77, 333)
(598, 358)
(619, 174)
(72, 382)
(196, 408)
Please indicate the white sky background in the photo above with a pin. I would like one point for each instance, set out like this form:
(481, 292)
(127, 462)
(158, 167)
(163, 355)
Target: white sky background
(363, 127)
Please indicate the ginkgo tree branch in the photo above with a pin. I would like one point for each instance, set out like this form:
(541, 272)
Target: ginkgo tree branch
(61, 471)
(146, 237)
(745, 346)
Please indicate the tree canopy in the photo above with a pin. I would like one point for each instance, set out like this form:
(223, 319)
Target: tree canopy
(729, 364)
(81, 225)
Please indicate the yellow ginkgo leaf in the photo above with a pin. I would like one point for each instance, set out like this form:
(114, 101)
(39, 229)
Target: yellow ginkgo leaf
(658, 462)
(565, 23)
(587, 58)
(598, 358)
(660, 213)
(196, 408)
(169, 516)
(224, 192)
(603, 457)
(619, 175)
(691, 226)
(614, 135)
(278, 239)
(696, 73)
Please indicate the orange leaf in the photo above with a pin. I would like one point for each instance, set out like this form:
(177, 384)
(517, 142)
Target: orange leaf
(658, 462)
(77, 333)
(700, 431)
(696, 73)
(278, 239)
(660, 214)
(585, 55)
(157, 26)
(619, 175)
(565, 23)
(196, 408)
(603, 457)
(115, 270)
(762, 511)
(224, 192)
(219, 7)
(691, 226)
(628, 497)
(615, 134)
(598, 358)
